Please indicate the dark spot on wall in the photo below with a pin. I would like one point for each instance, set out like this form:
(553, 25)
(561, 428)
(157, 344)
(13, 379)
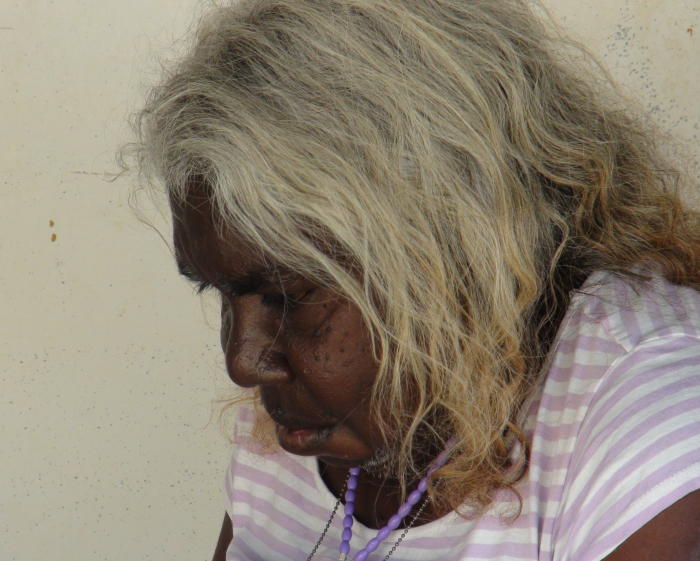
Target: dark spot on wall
(690, 31)
(84, 172)
(53, 237)
(51, 223)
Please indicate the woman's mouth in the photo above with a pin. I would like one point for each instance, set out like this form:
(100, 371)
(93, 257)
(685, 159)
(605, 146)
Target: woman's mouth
(302, 441)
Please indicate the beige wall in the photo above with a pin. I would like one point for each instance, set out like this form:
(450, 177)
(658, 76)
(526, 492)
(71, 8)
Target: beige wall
(107, 365)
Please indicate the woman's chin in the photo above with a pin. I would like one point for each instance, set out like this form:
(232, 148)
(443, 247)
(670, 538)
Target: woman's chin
(372, 466)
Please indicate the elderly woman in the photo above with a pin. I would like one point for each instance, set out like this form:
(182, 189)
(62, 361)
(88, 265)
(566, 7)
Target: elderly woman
(454, 277)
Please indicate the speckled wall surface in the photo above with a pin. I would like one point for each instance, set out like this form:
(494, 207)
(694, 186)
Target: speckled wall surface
(108, 363)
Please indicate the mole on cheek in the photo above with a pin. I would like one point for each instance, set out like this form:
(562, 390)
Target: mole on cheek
(323, 329)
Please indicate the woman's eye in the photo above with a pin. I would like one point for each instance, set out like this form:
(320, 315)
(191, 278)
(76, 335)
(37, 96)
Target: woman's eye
(284, 300)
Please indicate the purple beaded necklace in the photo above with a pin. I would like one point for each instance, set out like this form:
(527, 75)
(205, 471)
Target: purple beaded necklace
(394, 522)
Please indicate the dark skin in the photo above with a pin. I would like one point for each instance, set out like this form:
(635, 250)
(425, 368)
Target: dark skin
(303, 346)
(308, 352)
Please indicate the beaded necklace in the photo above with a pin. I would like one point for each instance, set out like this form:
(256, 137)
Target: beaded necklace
(394, 522)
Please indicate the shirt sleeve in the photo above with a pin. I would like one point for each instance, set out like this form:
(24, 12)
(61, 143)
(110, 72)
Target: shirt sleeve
(637, 451)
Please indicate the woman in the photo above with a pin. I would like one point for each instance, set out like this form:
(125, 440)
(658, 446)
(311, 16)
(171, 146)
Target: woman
(454, 276)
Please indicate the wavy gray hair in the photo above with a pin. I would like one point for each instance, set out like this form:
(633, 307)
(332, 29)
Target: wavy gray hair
(451, 167)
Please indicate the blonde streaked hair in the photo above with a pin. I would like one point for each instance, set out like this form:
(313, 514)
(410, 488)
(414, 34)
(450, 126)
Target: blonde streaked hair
(454, 168)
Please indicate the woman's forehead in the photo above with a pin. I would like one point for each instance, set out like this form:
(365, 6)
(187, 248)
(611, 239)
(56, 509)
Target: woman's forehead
(205, 244)
(201, 236)
(201, 232)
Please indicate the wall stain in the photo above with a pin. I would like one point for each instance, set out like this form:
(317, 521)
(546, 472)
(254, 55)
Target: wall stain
(690, 31)
(51, 223)
(53, 237)
(83, 172)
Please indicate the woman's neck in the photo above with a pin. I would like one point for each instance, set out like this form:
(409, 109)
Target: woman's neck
(376, 500)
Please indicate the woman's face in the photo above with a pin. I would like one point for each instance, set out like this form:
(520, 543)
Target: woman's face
(305, 348)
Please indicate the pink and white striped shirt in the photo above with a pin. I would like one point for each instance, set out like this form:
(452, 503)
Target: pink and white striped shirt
(615, 430)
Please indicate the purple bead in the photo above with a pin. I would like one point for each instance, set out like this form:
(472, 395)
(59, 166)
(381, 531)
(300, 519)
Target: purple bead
(414, 497)
(347, 534)
(349, 509)
(345, 548)
(383, 533)
(362, 556)
(352, 483)
(349, 496)
(347, 521)
(394, 522)
(372, 545)
(404, 510)
(423, 485)
(445, 454)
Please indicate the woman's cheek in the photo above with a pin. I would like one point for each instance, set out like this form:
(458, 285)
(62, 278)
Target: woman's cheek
(313, 317)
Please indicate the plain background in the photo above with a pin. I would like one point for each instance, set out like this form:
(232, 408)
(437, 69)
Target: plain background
(108, 362)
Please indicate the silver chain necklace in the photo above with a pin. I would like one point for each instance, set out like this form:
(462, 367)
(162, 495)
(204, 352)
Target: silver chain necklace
(335, 509)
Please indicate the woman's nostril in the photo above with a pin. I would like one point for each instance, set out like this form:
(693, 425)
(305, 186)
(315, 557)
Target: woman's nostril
(272, 360)
(250, 364)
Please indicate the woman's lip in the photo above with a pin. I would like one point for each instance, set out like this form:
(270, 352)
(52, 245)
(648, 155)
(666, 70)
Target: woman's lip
(296, 423)
(302, 441)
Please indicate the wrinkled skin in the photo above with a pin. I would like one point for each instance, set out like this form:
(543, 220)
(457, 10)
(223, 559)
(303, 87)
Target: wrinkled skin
(310, 358)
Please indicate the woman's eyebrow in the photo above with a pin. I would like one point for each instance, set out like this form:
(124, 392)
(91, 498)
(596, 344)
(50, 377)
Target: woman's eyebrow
(236, 286)
(250, 282)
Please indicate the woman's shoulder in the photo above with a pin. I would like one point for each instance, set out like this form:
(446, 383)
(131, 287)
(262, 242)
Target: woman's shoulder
(621, 345)
(634, 312)
(620, 410)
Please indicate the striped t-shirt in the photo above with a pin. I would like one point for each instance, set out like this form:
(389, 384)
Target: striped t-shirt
(615, 430)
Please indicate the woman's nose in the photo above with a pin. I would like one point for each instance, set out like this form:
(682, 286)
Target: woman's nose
(250, 343)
